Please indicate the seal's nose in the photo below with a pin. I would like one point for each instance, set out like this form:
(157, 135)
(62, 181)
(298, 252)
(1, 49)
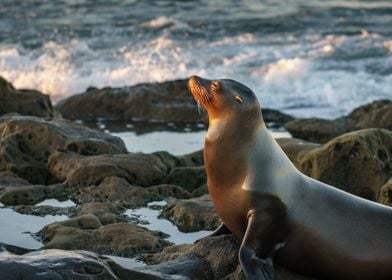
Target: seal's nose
(193, 81)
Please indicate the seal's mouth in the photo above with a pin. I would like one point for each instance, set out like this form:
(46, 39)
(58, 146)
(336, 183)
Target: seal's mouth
(199, 88)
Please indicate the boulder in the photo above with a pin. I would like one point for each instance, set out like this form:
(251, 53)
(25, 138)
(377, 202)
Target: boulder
(87, 233)
(32, 194)
(107, 213)
(210, 258)
(190, 178)
(24, 102)
(27, 142)
(56, 264)
(358, 162)
(118, 190)
(191, 215)
(385, 195)
(377, 114)
(79, 170)
(159, 102)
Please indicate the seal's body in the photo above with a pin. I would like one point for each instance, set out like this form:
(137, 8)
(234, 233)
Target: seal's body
(308, 226)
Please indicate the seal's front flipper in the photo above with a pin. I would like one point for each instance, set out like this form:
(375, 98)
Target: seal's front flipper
(264, 235)
(222, 229)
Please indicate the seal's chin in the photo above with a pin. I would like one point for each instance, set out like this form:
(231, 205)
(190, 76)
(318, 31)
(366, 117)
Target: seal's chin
(199, 88)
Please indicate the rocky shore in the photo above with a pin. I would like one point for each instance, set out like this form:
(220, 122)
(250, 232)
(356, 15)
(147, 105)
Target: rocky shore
(45, 154)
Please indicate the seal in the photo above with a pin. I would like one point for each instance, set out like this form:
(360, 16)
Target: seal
(279, 213)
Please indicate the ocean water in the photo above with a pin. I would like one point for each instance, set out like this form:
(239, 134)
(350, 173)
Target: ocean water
(319, 57)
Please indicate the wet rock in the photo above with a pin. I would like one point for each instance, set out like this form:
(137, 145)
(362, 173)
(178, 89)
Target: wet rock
(200, 191)
(137, 168)
(359, 162)
(377, 114)
(9, 179)
(274, 118)
(59, 264)
(162, 102)
(107, 213)
(42, 211)
(192, 214)
(27, 142)
(190, 178)
(86, 232)
(385, 195)
(32, 194)
(210, 258)
(159, 102)
(296, 149)
(118, 190)
(24, 102)
(54, 264)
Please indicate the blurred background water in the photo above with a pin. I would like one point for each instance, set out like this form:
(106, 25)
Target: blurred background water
(307, 58)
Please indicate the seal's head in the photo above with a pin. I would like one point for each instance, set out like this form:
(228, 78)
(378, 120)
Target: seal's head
(223, 98)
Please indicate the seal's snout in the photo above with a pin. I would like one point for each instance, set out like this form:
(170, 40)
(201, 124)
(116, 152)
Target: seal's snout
(194, 82)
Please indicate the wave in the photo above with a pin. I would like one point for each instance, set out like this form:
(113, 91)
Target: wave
(286, 72)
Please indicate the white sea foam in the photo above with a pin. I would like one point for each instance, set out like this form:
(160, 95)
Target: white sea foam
(288, 76)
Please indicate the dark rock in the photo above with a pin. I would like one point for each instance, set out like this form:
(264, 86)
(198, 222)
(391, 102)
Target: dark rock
(27, 142)
(137, 168)
(159, 102)
(107, 213)
(24, 102)
(385, 195)
(9, 179)
(192, 214)
(162, 102)
(32, 194)
(274, 118)
(87, 233)
(359, 162)
(296, 149)
(374, 115)
(190, 178)
(61, 265)
(210, 258)
(118, 190)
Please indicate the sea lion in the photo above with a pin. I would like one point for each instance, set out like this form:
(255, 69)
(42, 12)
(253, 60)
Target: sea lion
(307, 226)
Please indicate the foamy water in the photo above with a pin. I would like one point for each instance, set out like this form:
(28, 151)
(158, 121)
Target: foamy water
(303, 57)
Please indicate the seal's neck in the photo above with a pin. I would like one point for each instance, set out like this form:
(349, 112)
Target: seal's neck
(227, 145)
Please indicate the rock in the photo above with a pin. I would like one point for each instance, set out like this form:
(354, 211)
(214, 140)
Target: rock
(159, 102)
(9, 179)
(24, 102)
(32, 194)
(359, 162)
(27, 142)
(107, 213)
(190, 178)
(118, 190)
(385, 195)
(374, 115)
(274, 118)
(77, 170)
(296, 149)
(86, 232)
(194, 214)
(59, 264)
(210, 258)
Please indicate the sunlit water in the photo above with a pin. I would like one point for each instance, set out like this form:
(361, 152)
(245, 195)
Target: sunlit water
(177, 143)
(17, 229)
(149, 218)
(310, 58)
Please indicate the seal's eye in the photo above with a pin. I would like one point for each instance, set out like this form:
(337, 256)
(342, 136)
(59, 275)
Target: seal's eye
(239, 99)
(215, 84)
